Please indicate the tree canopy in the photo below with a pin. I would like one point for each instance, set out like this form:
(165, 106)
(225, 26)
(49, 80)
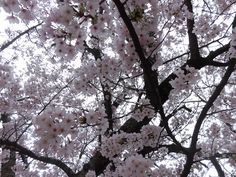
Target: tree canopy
(118, 88)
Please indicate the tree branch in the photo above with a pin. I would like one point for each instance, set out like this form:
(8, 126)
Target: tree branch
(7, 44)
(217, 166)
(22, 150)
(150, 76)
(193, 42)
(203, 115)
(217, 52)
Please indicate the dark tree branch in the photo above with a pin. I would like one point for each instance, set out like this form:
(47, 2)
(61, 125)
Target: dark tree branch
(7, 44)
(218, 155)
(22, 150)
(54, 96)
(131, 125)
(215, 162)
(165, 87)
(193, 41)
(217, 166)
(203, 115)
(150, 76)
(131, 30)
(97, 163)
(213, 54)
(164, 122)
(108, 106)
(172, 148)
(234, 22)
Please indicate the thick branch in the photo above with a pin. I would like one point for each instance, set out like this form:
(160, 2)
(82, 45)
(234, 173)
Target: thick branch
(108, 105)
(22, 150)
(217, 166)
(172, 148)
(150, 76)
(193, 42)
(217, 52)
(130, 27)
(97, 163)
(202, 116)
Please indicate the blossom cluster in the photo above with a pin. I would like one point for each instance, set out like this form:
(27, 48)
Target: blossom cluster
(85, 76)
(126, 52)
(118, 142)
(52, 126)
(132, 142)
(19, 8)
(97, 118)
(90, 173)
(140, 113)
(184, 80)
(108, 67)
(150, 135)
(177, 10)
(69, 24)
(144, 109)
(206, 30)
(214, 130)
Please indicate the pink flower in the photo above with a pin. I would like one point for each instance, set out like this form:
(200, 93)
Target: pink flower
(26, 15)
(12, 19)
(10, 5)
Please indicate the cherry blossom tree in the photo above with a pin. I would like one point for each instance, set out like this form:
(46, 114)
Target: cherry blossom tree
(118, 88)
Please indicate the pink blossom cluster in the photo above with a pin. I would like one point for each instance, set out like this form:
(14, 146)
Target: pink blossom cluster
(97, 118)
(164, 171)
(222, 4)
(116, 144)
(5, 155)
(205, 30)
(214, 130)
(140, 113)
(184, 81)
(108, 67)
(19, 8)
(150, 135)
(177, 10)
(132, 142)
(52, 126)
(68, 26)
(144, 110)
(133, 166)
(126, 52)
